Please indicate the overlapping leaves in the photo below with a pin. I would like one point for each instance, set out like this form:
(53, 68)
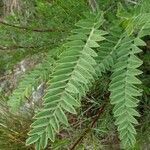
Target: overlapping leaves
(124, 91)
(29, 82)
(106, 54)
(71, 79)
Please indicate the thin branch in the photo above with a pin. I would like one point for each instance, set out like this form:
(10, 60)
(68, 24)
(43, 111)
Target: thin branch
(30, 29)
(94, 5)
(133, 2)
(14, 47)
(99, 113)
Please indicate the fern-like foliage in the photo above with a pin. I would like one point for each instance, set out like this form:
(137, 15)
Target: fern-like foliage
(70, 72)
(124, 91)
(30, 81)
(71, 79)
(106, 54)
(138, 19)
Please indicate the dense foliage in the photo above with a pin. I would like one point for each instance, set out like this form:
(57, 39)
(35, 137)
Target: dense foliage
(91, 60)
